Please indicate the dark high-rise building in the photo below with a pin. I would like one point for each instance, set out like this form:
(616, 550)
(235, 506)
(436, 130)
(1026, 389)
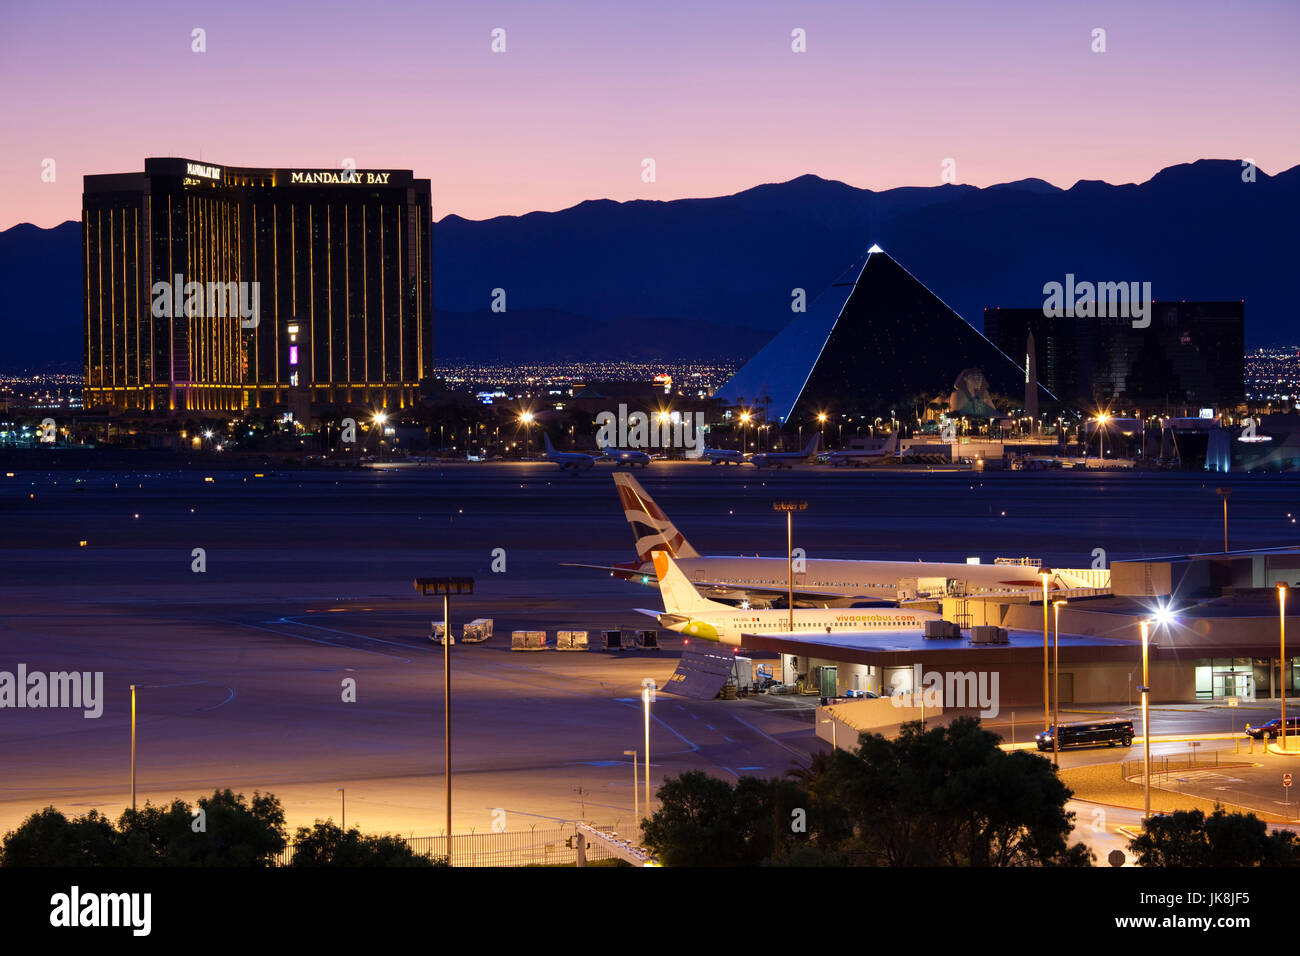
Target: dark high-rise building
(1192, 355)
(219, 288)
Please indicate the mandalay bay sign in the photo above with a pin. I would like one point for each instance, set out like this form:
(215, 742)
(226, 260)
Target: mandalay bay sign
(340, 177)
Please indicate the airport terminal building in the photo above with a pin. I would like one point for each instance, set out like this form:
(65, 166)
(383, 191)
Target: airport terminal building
(222, 289)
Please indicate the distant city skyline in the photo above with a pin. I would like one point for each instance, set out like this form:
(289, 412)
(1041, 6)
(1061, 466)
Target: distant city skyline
(716, 98)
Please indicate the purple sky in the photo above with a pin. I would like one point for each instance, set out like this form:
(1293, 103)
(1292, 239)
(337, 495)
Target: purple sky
(586, 91)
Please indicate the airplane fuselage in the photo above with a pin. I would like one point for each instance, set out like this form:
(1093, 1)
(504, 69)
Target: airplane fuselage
(727, 627)
(837, 578)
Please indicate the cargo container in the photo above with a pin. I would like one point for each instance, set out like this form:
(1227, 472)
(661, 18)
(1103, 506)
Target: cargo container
(570, 640)
(528, 640)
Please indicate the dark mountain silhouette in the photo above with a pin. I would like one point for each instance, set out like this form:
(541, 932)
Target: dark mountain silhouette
(41, 312)
(695, 278)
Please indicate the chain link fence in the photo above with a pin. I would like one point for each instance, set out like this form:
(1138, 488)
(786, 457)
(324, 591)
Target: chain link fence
(536, 846)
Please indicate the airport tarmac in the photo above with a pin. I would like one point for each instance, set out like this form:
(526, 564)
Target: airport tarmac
(308, 582)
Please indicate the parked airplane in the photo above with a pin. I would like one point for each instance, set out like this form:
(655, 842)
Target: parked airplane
(630, 458)
(570, 461)
(785, 459)
(723, 456)
(688, 612)
(823, 581)
(863, 456)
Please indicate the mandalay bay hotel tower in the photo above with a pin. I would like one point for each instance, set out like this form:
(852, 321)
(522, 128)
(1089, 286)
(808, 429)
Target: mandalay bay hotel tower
(225, 289)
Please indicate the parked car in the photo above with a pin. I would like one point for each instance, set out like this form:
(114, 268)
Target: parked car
(1272, 729)
(1091, 733)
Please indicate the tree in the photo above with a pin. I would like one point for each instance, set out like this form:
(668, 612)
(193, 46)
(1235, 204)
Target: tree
(229, 831)
(1189, 838)
(942, 797)
(327, 845)
(704, 821)
(48, 838)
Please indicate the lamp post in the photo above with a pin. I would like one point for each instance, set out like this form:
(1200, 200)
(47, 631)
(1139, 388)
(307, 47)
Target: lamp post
(1146, 729)
(446, 587)
(1281, 630)
(526, 419)
(1102, 419)
(133, 748)
(1056, 691)
(343, 808)
(1046, 722)
(378, 421)
(789, 507)
(1225, 494)
(647, 698)
(636, 794)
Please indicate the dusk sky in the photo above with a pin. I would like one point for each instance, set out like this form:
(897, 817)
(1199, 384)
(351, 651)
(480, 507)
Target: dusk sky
(586, 91)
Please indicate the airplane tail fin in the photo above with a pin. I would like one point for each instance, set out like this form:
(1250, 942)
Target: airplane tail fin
(550, 449)
(650, 526)
(891, 446)
(812, 445)
(678, 593)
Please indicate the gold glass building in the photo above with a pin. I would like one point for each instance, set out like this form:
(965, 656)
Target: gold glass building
(225, 289)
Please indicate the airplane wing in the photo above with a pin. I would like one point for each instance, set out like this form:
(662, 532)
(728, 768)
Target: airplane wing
(808, 597)
(811, 597)
(611, 568)
(858, 640)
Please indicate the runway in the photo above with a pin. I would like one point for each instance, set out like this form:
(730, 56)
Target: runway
(307, 582)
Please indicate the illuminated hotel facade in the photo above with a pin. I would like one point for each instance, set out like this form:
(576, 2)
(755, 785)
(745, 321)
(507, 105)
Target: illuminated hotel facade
(225, 289)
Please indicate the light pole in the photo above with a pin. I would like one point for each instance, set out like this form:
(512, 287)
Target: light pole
(133, 748)
(790, 507)
(526, 419)
(831, 721)
(1046, 721)
(647, 698)
(636, 794)
(446, 587)
(1281, 630)
(1146, 729)
(1225, 494)
(343, 811)
(1056, 691)
(378, 422)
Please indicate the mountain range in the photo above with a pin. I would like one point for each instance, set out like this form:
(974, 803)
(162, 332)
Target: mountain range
(713, 278)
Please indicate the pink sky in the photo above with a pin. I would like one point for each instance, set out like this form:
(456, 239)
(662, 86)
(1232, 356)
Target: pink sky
(586, 91)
